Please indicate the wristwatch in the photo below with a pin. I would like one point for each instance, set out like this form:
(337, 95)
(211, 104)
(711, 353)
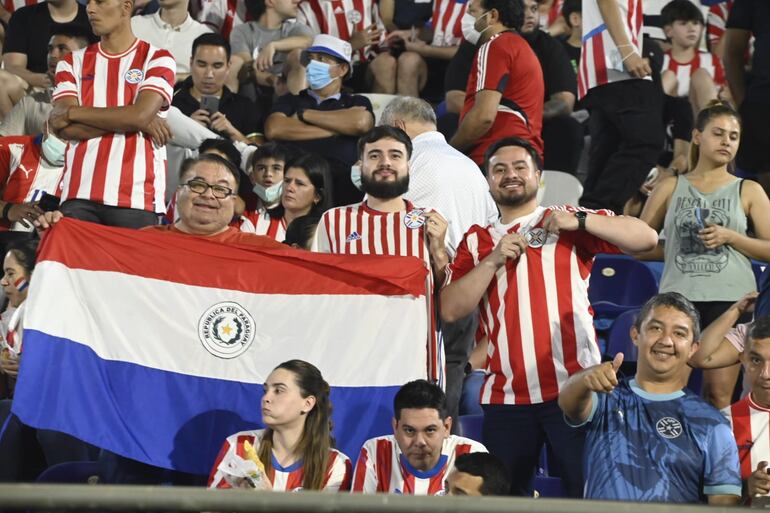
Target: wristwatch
(581, 217)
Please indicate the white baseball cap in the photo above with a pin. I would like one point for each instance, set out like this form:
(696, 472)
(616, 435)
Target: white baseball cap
(330, 45)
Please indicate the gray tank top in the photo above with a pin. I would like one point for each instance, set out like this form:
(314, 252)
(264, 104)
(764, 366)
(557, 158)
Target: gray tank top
(700, 274)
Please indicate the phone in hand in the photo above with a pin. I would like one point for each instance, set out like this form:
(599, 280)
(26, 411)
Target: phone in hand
(210, 103)
(48, 202)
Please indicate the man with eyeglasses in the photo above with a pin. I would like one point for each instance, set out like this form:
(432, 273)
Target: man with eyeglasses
(205, 203)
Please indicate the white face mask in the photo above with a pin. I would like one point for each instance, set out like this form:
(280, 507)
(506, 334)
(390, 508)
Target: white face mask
(469, 32)
(53, 149)
(355, 176)
(269, 195)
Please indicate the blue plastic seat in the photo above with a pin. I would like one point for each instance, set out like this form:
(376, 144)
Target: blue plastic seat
(69, 472)
(619, 339)
(547, 486)
(470, 426)
(619, 283)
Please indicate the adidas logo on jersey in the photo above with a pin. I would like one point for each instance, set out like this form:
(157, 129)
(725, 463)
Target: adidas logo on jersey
(339, 10)
(353, 237)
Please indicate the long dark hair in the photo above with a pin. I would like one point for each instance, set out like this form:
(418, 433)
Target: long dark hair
(317, 170)
(316, 437)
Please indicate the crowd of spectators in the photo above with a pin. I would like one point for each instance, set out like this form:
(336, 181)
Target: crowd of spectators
(425, 129)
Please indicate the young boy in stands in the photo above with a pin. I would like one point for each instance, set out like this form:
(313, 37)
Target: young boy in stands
(688, 71)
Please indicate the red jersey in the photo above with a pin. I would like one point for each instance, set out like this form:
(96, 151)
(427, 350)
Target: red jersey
(447, 22)
(536, 311)
(24, 174)
(360, 230)
(262, 223)
(282, 479)
(383, 468)
(341, 18)
(750, 423)
(118, 169)
(507, 64)
(684, 70)
(221, 15)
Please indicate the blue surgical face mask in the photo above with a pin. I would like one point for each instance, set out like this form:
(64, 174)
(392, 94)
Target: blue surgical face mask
(355, 176)
(318, 74)
(269, 195)
(53, 149)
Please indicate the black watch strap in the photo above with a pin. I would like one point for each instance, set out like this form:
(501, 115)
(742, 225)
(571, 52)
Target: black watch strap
(581, 217)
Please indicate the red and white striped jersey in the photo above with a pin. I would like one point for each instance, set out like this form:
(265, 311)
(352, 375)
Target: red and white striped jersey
(261, 223)
(14, 5)
(24, 174)
(341, 18)
(716, 22)
(360, 230)
(536, 310)
(383, 468)
(282, 479)
(600, 60)
(553, 14)
(684, 70)
(750, 427)
(447, 22)
(221, 15)
(117, 169)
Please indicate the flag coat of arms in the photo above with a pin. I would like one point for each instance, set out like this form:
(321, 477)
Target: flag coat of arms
(155, 345)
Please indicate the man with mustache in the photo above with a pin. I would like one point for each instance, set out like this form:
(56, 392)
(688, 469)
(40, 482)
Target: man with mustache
(528, 273)
(649, 438)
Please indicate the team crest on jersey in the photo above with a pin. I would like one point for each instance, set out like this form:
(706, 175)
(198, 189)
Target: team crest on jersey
(414, 218)
(134, 76)
(669, 427)
(353, 237)
(354, 16)
(536, 237)
(226, 330)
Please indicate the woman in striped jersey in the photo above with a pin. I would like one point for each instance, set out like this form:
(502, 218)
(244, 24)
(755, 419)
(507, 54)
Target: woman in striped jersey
(295, 451)
(306, 190)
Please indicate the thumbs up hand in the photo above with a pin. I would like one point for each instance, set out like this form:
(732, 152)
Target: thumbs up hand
(603, 377)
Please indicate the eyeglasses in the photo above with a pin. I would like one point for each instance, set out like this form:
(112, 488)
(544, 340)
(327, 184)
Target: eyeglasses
(200, 187)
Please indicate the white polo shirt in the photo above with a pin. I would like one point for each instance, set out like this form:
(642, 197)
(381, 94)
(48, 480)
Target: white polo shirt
(177, 40)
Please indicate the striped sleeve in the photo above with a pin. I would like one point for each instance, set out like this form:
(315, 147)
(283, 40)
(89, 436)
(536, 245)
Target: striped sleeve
(340, 473)
(65, 81)
(464, 260)
(217, 478)
(160, 75)
(492, 67)
(365, 473)
(321, 243)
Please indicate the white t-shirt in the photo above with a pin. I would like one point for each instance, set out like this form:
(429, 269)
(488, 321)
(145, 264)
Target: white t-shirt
(177, 40)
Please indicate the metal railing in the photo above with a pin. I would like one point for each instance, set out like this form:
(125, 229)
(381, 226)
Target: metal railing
(152, 498)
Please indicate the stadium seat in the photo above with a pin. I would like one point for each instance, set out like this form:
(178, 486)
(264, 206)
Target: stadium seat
(470, 426)
(69, 472)
(558, 188)
(379, 102)
(758, 268)
(619, 283)
(546, 486)
(619, 339)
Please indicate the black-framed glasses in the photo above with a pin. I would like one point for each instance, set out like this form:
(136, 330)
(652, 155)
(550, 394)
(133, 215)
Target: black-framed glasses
(200, 187)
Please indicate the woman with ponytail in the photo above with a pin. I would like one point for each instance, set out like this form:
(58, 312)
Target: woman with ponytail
(296, 449)
(705, 215)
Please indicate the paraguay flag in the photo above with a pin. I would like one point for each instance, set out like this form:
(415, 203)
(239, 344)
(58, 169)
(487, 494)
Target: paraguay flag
(155, 345)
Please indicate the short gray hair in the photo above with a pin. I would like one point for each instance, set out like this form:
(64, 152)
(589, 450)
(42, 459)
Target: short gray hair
(407, 108)
(673, 300)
